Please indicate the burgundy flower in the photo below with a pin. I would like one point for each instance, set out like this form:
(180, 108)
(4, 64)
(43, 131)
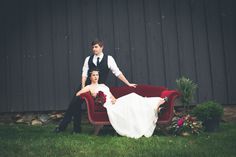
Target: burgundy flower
(180, 122)
(100, 98)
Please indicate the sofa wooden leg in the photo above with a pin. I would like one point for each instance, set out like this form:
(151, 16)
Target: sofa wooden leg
(164, 130)
(97, 128)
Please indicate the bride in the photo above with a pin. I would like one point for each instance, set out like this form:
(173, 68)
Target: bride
(131, 115)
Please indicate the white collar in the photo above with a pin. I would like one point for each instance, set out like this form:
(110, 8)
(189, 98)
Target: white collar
(100, 56)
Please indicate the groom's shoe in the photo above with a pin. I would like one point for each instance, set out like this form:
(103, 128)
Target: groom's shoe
(76, 131)
(57, 130)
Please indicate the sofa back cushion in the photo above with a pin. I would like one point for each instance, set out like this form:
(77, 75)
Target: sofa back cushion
(149, 91)
(121, 91)
(143, 90)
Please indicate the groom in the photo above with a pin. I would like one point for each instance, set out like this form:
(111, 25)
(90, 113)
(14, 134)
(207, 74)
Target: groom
(104, 63)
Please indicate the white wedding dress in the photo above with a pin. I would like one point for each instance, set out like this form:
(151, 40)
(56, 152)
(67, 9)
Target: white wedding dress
(132, 115)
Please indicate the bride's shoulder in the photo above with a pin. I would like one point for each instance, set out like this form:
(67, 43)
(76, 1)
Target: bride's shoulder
(103, 85)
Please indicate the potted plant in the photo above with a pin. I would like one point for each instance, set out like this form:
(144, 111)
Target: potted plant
(187, 88)
(209, 113)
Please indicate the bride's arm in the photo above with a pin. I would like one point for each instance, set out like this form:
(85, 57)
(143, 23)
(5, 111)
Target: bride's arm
(83, 90)
(113, 99)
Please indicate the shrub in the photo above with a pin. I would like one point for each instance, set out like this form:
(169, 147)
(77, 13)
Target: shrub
(208, 110)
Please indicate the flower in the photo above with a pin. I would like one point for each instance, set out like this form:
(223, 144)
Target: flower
(180, 122)
(185, 124)
(100, 98)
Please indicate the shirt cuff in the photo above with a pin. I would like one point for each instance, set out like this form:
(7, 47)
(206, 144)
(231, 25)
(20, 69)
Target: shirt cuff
(117, 73)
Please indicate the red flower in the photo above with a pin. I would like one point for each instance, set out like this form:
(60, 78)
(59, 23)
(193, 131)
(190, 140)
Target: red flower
(180, 122)
(100, 98)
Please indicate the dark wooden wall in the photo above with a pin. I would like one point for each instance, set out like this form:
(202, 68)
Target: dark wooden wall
(43, 44)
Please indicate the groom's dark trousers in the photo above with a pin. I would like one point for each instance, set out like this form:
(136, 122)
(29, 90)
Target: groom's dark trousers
(73, 111)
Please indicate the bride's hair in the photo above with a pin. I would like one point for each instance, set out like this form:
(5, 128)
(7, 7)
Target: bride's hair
(92, 70)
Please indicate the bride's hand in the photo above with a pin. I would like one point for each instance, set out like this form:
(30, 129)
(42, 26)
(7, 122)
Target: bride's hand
(113, 100)
(132, 85)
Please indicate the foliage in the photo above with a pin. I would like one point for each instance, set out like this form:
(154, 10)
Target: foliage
(40, 141)
(186, 125)
(208, 110)
(187, 89)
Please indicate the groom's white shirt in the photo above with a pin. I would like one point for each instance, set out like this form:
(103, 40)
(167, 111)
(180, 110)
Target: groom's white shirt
(110, 61)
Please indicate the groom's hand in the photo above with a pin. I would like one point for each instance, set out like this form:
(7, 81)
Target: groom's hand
(132, 85)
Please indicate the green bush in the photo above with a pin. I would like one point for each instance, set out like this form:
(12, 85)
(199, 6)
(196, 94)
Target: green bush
(187, 88)
(208, 110)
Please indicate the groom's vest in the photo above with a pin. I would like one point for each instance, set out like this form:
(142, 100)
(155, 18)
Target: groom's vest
(102, 67)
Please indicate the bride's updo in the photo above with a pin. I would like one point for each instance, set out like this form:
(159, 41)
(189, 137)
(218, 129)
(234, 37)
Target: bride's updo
(92, 70)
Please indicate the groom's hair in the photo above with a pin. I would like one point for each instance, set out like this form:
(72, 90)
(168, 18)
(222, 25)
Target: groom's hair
(97, 41)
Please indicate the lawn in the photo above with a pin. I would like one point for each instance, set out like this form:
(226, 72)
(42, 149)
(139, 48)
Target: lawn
(39, 141)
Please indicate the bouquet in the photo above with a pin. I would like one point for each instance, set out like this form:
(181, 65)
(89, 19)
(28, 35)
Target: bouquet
(186, 125)
(100, 98)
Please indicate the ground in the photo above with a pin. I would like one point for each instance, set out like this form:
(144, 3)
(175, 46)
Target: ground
(229, 113)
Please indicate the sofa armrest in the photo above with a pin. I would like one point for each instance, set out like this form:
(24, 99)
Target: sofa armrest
(168, 114)
(170, 94)
(89, 101)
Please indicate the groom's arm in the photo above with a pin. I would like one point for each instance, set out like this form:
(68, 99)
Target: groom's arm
(84, 73)
(116, 71)
(123, 79)
(83, 81)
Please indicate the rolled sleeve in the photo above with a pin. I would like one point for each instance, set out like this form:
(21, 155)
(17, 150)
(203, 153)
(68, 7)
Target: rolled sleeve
(113, 66)
(85, 68)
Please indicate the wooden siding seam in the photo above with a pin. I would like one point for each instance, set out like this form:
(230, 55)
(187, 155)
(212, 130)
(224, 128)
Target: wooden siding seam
(162, 43)
(224, 52)
(194, 48)
(52, 46)
(146, 41)
(208, 49)
(177, 39)
(130, 47)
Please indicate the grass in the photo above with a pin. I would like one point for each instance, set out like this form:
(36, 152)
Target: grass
(39, 141)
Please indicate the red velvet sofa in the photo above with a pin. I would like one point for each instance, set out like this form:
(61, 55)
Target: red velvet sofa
(97, 114)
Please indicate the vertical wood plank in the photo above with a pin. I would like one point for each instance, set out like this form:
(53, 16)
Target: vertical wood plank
(121, 38)
(216, 51)
(14, 64)
(201, 51)
(75, 41)
(30, 54)
(60, 53)
(156, 60)
(45, 56)
(138, 42)
(3, 59)
(106, 31)
(228, 20)
(170, 42)
(185, 40)
(90, 24)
